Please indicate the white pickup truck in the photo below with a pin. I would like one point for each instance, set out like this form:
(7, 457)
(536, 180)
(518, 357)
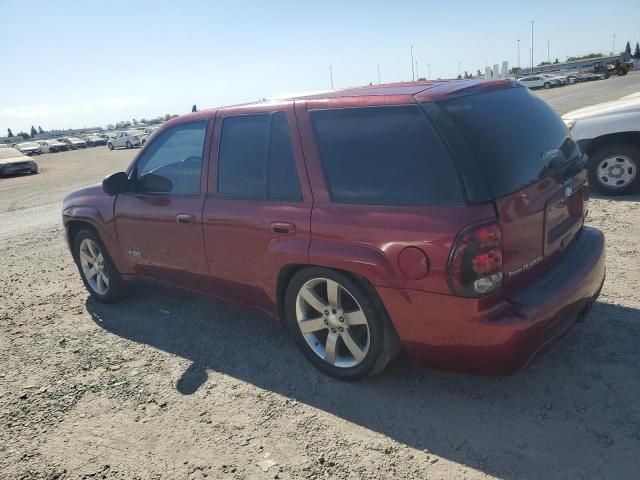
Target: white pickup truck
(609, 133)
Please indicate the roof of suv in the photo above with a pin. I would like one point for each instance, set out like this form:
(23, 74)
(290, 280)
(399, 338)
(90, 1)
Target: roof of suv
(424, 90)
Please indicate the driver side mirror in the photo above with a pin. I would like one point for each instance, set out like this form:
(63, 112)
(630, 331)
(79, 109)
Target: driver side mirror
(116, 183)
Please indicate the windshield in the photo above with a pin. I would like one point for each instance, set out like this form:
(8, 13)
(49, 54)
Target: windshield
(515, 137)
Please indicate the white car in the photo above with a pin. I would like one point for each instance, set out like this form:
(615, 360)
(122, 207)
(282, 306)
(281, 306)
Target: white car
(13, 161)
(126, 140)
(560, 78)
(51, 146)
(539, 81)
(609, 133)
(29, 148)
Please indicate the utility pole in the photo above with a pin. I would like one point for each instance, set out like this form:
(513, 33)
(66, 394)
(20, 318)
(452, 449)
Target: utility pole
(458, 68)
(548, 56)
(429, 69)
(331, 76)
(417, 74)
(413, 74)
(378, 74)
(518, 55)
(531, 47)
(613, 48)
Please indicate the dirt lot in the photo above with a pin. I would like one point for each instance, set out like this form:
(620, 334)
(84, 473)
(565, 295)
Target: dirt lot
(167, 385)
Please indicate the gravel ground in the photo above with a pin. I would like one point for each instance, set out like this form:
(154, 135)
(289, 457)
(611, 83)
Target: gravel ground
(169, 385)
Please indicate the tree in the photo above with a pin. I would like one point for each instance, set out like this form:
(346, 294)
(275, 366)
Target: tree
(40, 130)
(9, 133)
(556, 60)
(636, 53)
(627, 48)
(34, 132)
(24, 135)
(479, 73)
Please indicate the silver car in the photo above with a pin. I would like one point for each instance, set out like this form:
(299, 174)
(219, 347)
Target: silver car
(13, 161)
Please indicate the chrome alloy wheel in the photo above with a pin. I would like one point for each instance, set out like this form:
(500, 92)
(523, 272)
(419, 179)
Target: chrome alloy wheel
(332, 322)
(93, 266)
(616, 171)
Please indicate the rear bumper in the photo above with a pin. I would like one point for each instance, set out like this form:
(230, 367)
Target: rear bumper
(462, 334)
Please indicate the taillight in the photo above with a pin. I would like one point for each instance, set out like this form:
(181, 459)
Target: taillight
(475, 262)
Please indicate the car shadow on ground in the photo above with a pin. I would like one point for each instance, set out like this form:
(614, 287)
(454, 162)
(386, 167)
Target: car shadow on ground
(558, 419)
(634, 197)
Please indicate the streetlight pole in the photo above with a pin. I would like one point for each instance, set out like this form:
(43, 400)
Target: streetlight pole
(378, 74)
(531, 47)
(548, 56)
(458, 68)
(417, 74)
(429, 70)
(613, 48)
(331, 76)
(518, 55)
(413, 74)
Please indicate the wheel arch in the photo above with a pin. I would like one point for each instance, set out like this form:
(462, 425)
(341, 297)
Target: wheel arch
(609, 139)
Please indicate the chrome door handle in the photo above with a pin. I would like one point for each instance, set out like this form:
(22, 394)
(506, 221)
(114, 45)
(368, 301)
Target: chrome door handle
(185, 218)
(283, 228)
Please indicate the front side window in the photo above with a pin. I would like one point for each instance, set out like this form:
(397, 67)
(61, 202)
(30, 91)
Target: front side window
(173, 162)
(384, 156)
(256, 158)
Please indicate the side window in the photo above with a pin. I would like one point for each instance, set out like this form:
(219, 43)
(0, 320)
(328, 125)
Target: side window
(173, 162)
(256, 158)
(384, 156)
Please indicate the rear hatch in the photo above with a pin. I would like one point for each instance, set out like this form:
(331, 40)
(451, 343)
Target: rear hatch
(535, 173)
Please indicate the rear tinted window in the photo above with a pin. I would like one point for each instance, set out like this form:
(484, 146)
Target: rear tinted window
(384, 156)
(256, 159)
(514, 136)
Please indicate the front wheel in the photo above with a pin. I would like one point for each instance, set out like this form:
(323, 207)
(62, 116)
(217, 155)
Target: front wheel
(128, 145)
(97, 270)
(339, 324)
(613, 169)
(110, 146)
(547, 85)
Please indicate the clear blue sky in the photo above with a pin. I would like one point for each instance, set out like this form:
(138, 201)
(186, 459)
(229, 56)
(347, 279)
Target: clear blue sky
(74, 64)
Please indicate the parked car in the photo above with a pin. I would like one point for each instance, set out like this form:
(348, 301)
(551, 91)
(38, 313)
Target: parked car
(124, 140)
(95, 140)
(609, 133)
(562, 79)
(147, 134)
(74, 142)
(13, 161)
(29, 148)
(445, 218)
(538, 81)
(52, 146)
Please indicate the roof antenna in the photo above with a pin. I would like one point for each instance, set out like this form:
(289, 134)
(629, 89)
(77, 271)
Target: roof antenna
(194, 109)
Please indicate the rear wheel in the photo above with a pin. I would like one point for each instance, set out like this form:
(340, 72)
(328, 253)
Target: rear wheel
(128, 145)
(547, 85)
(97, 270)
(613, 169)
(110, 145)
(339, 324)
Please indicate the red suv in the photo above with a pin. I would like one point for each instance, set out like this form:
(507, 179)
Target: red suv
(445, 218)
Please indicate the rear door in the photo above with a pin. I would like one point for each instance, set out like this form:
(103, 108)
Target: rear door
(257, 214)
(534, 170)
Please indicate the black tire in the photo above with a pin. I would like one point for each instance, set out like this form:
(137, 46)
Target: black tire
(128, 145)
(118, 288)
(384, 343)
(547, 85)
(110, 146)
(630, 151)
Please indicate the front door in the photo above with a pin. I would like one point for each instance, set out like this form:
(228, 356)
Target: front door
(257, 214)
(159, 223)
